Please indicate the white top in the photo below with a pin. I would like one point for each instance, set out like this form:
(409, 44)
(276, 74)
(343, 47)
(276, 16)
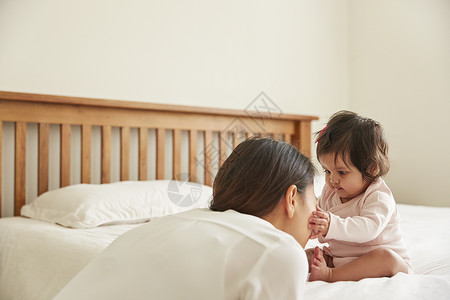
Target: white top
(364, 223)
(198, 254)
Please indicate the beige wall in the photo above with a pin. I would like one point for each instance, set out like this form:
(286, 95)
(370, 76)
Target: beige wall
(209, 53)
(399, 74)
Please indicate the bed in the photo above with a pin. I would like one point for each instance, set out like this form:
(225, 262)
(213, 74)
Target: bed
(78, 172)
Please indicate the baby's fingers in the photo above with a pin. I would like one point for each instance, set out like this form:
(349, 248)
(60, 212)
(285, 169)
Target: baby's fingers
(316, 227)
(318, 221)
(320, 214)
(314, 235)
(316, 230)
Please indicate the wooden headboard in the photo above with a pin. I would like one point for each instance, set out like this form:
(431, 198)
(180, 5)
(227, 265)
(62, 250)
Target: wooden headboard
(219, 130)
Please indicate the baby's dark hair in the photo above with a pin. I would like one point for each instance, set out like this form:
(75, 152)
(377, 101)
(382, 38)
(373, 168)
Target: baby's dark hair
(357, 139)
(257, 174)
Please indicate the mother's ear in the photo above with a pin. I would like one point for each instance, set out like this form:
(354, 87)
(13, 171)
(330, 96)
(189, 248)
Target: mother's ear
(289, 201)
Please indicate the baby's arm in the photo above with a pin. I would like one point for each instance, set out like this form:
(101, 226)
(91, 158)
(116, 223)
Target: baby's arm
(374, 217)
(319, 223)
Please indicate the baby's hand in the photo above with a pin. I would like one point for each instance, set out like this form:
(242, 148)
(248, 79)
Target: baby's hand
(319, 222)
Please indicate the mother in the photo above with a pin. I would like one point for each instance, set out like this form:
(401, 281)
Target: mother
(248, 245)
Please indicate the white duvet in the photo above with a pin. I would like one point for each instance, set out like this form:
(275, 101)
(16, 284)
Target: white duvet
(37, 259)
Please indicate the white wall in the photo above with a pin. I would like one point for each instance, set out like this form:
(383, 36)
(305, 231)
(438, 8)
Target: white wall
(208, 53)
(399, 74)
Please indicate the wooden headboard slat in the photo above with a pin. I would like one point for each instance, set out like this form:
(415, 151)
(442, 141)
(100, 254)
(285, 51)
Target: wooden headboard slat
(86, 139)
(236, 140)
(106, 155)
(143, 160)
(208, 151)
(20, 165)
(125, 153)
(303, 135)
(43, 157)
(65, 133)
(286, 137)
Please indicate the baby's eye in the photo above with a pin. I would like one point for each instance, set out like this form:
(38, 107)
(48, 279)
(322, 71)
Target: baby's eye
(342, 172)
(327, 172)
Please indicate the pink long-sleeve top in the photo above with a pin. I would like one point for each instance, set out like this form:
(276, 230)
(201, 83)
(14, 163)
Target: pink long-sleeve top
(367, 222)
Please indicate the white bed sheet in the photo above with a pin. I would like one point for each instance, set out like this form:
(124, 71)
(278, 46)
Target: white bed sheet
(426, 231)
(37, 259)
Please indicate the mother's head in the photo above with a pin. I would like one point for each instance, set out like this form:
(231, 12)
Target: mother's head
(271, 180)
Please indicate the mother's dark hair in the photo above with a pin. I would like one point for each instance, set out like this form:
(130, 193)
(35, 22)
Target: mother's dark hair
(257, 174)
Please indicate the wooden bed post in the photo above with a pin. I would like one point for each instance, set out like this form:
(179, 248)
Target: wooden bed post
(302, 137)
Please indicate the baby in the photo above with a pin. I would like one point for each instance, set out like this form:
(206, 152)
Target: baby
(356, 215)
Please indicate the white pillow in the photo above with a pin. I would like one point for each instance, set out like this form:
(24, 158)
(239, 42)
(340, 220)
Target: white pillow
(91, 205)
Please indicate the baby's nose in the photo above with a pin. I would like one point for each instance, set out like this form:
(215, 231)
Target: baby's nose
(334, 178)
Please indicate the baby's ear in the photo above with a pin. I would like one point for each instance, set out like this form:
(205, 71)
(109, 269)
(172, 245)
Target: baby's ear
(374, 169)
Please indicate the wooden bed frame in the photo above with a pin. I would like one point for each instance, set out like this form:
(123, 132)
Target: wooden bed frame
(222, 125)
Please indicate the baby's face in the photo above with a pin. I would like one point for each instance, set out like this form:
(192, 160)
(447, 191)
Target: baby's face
(345, 179)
